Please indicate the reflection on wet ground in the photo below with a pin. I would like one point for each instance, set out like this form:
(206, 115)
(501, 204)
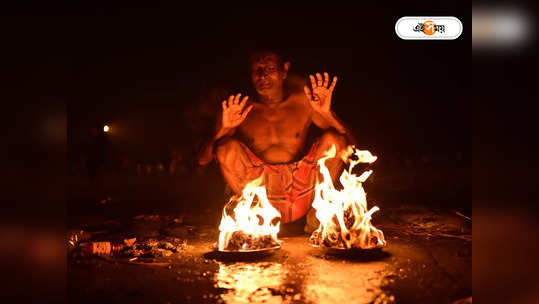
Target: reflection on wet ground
(421, 264)
(327, 283)
(250, 283)
(305, 275)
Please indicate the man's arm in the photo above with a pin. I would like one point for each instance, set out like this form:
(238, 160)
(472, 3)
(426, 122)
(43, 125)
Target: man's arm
(320, 100)
(331, 120)
(234, 113)
(205, 155)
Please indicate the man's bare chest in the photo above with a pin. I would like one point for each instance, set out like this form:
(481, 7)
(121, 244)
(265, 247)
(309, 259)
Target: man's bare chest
(289, 119)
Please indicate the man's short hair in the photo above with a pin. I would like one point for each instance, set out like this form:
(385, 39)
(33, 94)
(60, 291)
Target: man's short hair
(258, 54)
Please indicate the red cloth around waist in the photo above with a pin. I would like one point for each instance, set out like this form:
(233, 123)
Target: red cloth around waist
(290, 187)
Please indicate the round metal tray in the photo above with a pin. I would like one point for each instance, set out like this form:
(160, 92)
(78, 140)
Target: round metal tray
(250, 252)
(334, 250)
(241, 255)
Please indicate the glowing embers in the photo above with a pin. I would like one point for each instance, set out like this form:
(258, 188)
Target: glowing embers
(249, 221)
(345, 221)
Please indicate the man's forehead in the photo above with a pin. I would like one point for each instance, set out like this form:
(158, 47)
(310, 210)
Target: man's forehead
(266, 59)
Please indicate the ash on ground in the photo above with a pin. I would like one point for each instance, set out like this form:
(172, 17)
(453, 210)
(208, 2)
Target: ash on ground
(240, 241)
(152, 248)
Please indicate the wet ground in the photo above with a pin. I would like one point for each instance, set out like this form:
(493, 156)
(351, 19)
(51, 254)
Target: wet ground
(427, 260)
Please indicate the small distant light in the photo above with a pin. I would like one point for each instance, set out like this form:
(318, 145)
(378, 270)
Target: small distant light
(106, 128)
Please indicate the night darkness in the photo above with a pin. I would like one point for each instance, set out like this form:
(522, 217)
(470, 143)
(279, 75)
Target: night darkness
(157, 78)
(154, 75)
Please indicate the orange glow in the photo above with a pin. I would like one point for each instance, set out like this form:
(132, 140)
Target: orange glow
(250, 283)
(345, 221)
(253, 216)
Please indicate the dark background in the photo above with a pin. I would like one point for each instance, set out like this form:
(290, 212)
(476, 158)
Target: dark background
(146, 72)
(157, 77)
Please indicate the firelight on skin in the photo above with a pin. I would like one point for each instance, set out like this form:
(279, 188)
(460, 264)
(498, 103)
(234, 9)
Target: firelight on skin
(266, 135)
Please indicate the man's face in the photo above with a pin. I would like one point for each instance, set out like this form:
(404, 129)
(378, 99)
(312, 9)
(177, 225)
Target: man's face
(267, 75)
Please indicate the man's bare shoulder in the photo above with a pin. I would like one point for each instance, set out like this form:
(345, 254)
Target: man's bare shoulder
(298, 96)
(299, 101)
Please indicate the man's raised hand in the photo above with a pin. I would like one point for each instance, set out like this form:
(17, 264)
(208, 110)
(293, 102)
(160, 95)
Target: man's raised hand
(320, 97)
(234, 111)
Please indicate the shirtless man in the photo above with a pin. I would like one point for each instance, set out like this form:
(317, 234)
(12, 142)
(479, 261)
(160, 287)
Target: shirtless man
(267, 135)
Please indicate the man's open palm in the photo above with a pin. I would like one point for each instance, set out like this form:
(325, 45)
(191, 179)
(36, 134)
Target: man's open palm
(233, 111)
(320, 96)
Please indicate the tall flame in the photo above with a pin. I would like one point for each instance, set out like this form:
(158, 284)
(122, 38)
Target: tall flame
(345, 221)
(253, 217)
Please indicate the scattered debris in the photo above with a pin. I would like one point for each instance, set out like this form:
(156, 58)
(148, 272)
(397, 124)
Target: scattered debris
(181, 218)
(175, 230)
(130, 242)
(152, 248)
(462, 215)
(462, 237)
(98, 248)
(418, 221)
(74, 237)
(130, 248)
(148, 217)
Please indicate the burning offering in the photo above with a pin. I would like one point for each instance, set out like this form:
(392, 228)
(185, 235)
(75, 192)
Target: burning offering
(345, 221)
(249, 222)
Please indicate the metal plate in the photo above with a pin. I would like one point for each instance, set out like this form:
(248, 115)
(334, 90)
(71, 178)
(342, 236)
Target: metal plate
(354, 254)
(253, 251)
(244, 255)
(344, 250)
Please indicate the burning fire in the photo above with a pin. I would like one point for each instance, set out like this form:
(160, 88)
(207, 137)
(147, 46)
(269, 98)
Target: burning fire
(345, 221)
(252, 224)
